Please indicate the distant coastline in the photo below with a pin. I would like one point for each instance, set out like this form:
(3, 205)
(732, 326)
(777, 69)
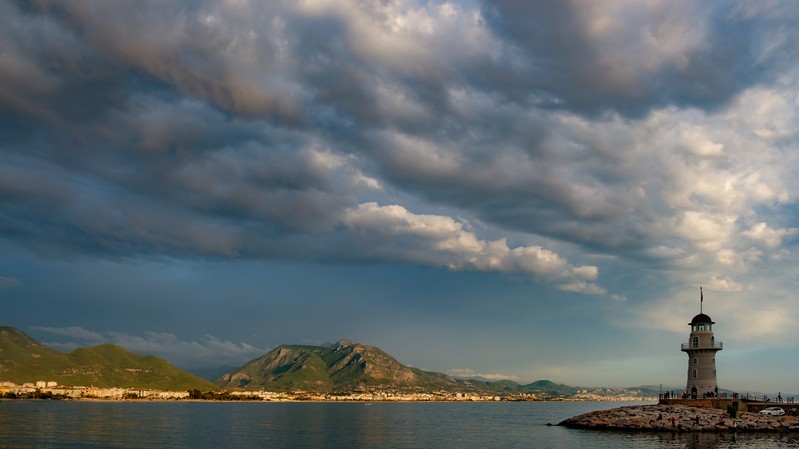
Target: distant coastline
(31, 392)
(341, 371)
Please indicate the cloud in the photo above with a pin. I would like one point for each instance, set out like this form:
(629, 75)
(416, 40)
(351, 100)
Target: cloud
(394, 232)
(9, 282)
(770, 237)
(623, 149)
(209, 352)
(630, 56)
(746, 317)
(724, 285)
(468, 373)
(74, 332)
(765, 324)
(653, 133)
(709, 231)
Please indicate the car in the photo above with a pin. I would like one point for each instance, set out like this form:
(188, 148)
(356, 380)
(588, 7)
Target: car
(773, 411)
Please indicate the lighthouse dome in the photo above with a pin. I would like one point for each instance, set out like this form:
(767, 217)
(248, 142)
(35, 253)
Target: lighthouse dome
(702, 318)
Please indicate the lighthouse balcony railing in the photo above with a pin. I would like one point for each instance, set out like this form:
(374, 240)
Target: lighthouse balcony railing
(715, 345)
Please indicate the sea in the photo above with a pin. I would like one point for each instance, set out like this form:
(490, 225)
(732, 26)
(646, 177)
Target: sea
(300, 425)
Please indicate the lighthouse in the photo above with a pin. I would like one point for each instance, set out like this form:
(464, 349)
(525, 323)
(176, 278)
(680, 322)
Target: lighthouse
(701, 349)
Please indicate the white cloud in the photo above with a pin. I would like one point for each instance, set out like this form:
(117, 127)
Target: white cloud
(723, 285)
(770, 113)
(707, 231)
(764, 323)
(74, 332)
(744, 315)
(470, 373)
(403, 35)
(771, 237)
(666, 252)
(9, 282)
(442, 241)
(638, 38)
(586, 288)
(208, 352)
(697, 142)
(739, 260)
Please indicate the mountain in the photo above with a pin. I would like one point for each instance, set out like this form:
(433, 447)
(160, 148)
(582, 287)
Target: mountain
(343, 366)
(347, 366)
(549, 387)
(18, 349)
(23, 359)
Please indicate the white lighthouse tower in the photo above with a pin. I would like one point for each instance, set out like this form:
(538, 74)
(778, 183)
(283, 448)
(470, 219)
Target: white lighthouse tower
(701, 348)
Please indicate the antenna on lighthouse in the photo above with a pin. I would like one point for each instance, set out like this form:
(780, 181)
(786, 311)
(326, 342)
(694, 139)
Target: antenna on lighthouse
(701, 299)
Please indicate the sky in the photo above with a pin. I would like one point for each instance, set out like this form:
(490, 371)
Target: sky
(517, 190)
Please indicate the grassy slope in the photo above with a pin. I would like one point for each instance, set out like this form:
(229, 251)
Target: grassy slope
(26, 360)
(308, 373)
(23, 359)
(287, 368)
(17, 348)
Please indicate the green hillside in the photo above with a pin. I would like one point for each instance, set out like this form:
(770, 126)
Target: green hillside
(23, 359)
(16, 348)
(549, 387)
(342, 367)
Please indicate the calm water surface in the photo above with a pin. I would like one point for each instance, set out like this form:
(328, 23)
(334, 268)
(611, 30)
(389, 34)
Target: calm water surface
(61, 424)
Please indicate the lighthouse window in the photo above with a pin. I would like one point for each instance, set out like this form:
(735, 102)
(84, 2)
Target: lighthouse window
(701, 327)
(696, 361)
(696, 342)
(693, 374)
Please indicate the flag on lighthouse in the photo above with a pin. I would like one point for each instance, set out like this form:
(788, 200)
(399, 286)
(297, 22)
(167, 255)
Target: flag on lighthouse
(701, 300)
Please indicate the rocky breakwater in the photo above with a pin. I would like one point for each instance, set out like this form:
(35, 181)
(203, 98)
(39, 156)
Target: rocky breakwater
(678, 418)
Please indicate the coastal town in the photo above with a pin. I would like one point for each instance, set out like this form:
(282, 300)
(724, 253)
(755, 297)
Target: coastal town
(701, 389)
(352, 372)
(701, 407)
(51, 390)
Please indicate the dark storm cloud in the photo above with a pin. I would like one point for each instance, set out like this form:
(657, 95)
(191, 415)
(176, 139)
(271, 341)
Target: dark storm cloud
(254, 129)
(614, 149)
(630, 57)
(209, 351)
(180, 44)
(129, 132)
(8, 282)
(156, 127)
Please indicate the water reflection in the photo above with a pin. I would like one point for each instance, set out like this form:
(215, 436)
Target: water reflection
(332, 425)
(731, 440)
(690, 440)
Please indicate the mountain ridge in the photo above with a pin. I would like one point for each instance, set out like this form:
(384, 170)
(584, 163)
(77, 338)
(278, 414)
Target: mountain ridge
(23, 359)
(347, 366)
(337, 368)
